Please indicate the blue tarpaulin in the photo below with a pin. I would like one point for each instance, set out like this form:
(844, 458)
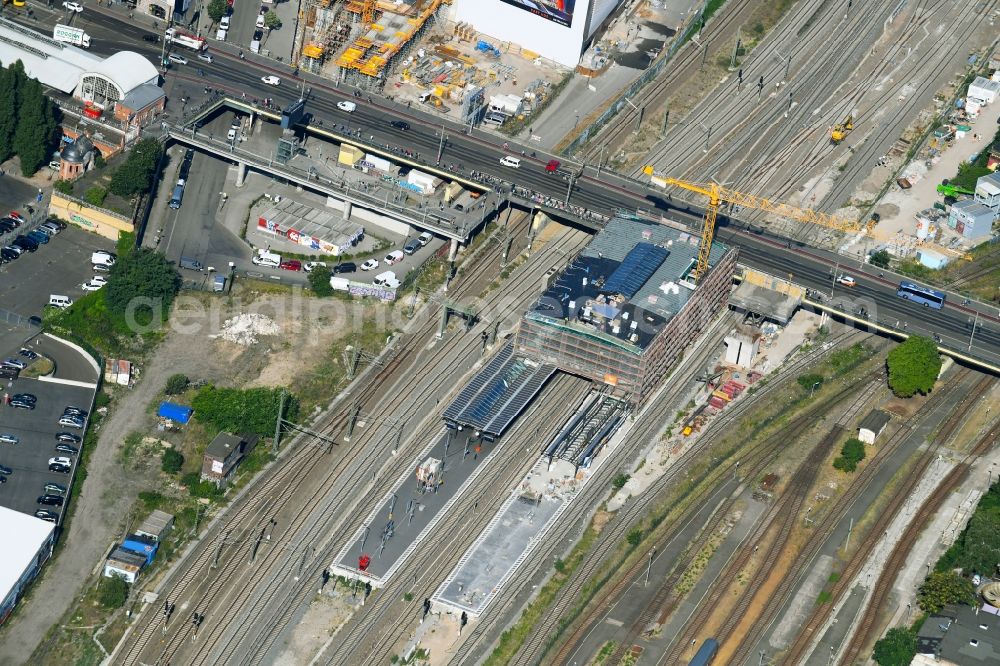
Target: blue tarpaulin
(174, 412)
(141, 545)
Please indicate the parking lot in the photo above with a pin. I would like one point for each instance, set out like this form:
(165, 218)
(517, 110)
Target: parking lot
(58, 267)
(35, 429)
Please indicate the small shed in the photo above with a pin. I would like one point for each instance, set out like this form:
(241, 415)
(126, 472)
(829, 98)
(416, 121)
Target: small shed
(988, 190)
(984, 89)
(179, 413)
(971, 219)
(156, 526)
(872, 426)
(124, 563)
(223, 454)
(932, 259)
(141, 545)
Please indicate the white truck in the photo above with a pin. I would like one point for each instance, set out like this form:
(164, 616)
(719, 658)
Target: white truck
(175, 36)
(70, 35)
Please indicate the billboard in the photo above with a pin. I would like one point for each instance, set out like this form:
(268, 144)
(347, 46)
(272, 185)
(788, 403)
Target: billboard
(558, 11)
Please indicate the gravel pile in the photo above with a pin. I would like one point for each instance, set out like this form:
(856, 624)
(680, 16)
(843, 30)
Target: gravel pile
(244, 329)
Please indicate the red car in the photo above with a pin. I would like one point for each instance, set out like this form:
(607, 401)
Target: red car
(291, 265)
(17, 216)
(552, 166)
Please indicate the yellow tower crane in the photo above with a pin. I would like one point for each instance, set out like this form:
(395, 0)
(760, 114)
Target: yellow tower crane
(718, 194)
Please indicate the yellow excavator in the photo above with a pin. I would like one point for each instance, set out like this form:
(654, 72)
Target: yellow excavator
(841, 130)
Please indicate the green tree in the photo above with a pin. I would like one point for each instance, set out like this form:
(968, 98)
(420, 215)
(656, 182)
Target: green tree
(913, 367)
(176, 384)
(319, 281)
(619, 481)
(807, 382)
(977, 550)
(36, 127)
(851, 454)
(8, 109)
(142, 280)
(113, 592)
(95, 195)
(634, 537)
(63, 186)
(879, 259)
(941, 588)
(898, 648)
(272, 21)
(172, 461)
(135, 175)
(217, 9)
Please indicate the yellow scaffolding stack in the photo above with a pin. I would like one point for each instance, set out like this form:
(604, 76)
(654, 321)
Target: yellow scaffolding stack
(372, 51)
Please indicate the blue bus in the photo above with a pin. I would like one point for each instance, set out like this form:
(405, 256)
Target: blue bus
(929, 298)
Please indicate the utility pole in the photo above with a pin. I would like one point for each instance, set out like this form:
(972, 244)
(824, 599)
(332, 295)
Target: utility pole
(736, 48)
(649, 565)
(739, 81)
(441, 146)
(355, 413)
(666, 120)
(975, 325)
(638, 121)
(277, 422)
(789, 109)
(760, 89)
(849, 530)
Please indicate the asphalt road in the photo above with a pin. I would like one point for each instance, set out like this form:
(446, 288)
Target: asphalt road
(605, 193)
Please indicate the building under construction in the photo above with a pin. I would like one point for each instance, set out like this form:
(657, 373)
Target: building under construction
(364, 37)
(624, 309)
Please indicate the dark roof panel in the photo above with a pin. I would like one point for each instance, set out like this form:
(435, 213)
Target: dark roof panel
(636, 268)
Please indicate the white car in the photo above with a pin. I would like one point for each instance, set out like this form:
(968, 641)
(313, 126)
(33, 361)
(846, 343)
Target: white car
(310, 265)
(73, 6)
(90, 286)
(204, 56)
(271, 80)
(260, 21)
(370, 265)
(846, 280)
(347, 107)
(224, 23)
(176, 59)
(425, 238)
(99, 279)
(60, 460)
(394, 257)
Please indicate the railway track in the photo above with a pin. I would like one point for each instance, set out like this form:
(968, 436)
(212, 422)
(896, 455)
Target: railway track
(771, 535)
(354, 478)
(869, 625)
(547, 633)
(442, 548)
(826, 521)
(273, 490)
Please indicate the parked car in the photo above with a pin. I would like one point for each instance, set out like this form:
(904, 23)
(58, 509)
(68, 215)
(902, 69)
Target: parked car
(71, 422)
(66, 448)
(39, 237)
(50, 500)
(48, 516)
(57, 467)
(21, 404)
(15, 363)
(7, 438)
(67, 437)
(394, 257)
(412, 246)
(26, 397)
(99, 279)
(75, 411)
(345, 267)
(291, 265)
(309, 266)
(370, 265)
(51, 488)
(425, 238)
(90, 286)
(61, 460)
(6, 470)
(27, 353)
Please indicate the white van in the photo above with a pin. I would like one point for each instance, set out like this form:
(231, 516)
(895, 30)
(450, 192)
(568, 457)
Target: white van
(340, 284)
(102, 258)
(58, 301)
(384, 278)
(510, 161)
(220, 34)
(265, 258)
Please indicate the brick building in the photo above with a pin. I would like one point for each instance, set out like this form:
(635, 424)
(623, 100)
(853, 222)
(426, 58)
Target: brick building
(223, 455)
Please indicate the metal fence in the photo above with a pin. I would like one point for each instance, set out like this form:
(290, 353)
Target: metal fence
(640, 82)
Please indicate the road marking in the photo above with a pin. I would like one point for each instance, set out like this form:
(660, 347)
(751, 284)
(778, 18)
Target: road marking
(615, 623)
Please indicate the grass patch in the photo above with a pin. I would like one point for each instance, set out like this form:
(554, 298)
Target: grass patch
(824, 597)
(40, 368)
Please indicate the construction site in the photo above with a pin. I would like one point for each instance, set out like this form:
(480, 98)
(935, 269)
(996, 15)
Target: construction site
(411, 52)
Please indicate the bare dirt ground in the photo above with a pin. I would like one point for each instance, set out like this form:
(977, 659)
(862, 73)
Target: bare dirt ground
(309, 333)
(326, 614)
